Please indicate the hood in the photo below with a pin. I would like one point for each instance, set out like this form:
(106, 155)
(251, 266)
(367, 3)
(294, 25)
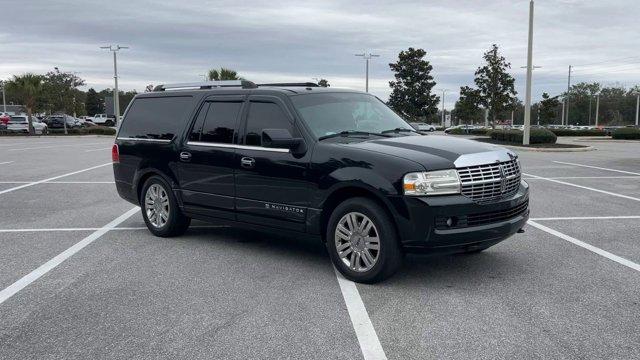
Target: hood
(438, 152)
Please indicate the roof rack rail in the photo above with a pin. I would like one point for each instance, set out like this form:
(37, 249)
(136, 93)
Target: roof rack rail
(245, 84)
(292, 84)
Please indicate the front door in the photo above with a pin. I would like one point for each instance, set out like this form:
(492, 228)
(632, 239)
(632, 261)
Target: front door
(271, 185)
(207, 159)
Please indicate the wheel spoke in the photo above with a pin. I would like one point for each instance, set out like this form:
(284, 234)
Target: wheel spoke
(343, 233)
(354, 261)
(367, 258)
(345, 253)
(343, 246)
(364, 223)
(372, 243)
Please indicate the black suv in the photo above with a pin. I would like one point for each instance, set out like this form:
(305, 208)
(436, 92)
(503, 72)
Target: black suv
(334, 164)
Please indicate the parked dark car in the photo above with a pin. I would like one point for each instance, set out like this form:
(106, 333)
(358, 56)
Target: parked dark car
(338, 165)
(57, 121)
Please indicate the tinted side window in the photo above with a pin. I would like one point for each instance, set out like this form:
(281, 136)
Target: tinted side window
(155, 118)
(264, 115)
(197, 126)
(220, 122)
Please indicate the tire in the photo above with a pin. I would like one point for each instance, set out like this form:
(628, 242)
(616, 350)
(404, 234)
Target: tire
(351, 254)
(108, 123)
(166, 219)
(477, 250)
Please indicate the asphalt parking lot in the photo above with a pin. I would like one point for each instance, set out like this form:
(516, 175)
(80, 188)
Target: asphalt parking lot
(81, 277)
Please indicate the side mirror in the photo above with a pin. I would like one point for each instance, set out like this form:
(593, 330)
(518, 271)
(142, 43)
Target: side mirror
(280, 138)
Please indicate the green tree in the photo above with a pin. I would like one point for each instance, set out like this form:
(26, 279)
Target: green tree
(548, 108)
(93, 103)
(467, 109)
(60, 90)
(223, 74)
(323, 83)
(27, 88)
(411, 94)
(496, 85)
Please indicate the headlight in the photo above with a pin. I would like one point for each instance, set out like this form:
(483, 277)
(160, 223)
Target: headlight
(440, 182)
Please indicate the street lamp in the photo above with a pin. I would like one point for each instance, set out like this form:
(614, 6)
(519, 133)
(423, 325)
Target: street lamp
(367, 57)
(116, 95)
(527, 101)
(4, 102)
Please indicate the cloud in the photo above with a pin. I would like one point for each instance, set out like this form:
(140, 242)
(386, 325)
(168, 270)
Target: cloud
(299, 40)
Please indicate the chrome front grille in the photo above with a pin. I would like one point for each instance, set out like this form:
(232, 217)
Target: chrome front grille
(490, 182)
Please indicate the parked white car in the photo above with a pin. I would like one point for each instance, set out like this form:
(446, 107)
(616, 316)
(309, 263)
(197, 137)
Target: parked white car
(420, 126)
(102, 119)
(20, 124)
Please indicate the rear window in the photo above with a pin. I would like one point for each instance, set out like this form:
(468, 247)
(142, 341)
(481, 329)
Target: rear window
(17, 119)
(155, 118)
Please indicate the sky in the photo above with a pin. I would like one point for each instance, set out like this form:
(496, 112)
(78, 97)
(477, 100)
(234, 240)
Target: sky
(275, 41)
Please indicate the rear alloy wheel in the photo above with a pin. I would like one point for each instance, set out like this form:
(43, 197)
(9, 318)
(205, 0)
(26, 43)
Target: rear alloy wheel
(362, 241)
(160, 209)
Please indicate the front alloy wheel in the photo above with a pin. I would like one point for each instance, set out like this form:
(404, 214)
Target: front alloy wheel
(357, 242)
(362, 242)
(157, 207)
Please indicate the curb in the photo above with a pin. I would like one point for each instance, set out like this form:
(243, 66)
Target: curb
(606, 140)
(521, 148)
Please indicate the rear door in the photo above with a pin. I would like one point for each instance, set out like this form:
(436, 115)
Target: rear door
(271, 184)
(207, 158)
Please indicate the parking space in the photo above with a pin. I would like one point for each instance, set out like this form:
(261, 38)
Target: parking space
(72, 288)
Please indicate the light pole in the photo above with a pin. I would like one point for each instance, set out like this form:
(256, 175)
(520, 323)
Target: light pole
(566, 118)
(637, 107)
(597, 108)
(116, 94)
(4, 102)
(443, 110)
(527, 101)
(367, 57)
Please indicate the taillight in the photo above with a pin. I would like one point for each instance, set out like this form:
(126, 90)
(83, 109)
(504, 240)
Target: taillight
(115, 154)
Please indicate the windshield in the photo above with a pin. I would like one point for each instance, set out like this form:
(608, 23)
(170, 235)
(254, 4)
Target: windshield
(333, 113)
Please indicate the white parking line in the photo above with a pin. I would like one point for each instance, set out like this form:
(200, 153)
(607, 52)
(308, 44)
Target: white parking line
(101, 149)
(585, 187)
(50, 179)
(586, 177)
(585, 218)
(6, 162)
(57, 260)
(366, 334)
(59, 182)
(597, 167)
(53, 146)
(582, 244)
(133, 228)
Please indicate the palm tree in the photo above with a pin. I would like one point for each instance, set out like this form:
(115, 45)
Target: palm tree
(27, 88)
(223, 74)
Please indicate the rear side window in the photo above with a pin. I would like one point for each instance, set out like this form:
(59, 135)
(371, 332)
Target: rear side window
(155, 118)
(265, 115)
(220, 122)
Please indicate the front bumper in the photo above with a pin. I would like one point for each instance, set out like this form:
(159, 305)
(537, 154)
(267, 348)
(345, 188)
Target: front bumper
(424, 227)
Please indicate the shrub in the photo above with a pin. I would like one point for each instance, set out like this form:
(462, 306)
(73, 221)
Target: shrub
(463, 131)
(537, 136)
(626, 134)
(569, 132)
(93, 130)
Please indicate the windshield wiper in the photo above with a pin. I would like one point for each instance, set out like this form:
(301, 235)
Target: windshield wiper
(351, 132)
(398, 130)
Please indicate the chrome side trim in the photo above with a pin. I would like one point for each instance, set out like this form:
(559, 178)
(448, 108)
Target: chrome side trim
(144, 139)
(484, 158)
(233, 146)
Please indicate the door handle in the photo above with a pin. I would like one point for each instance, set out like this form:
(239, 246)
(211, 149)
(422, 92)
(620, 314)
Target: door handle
(185, 156)
(247, 162)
